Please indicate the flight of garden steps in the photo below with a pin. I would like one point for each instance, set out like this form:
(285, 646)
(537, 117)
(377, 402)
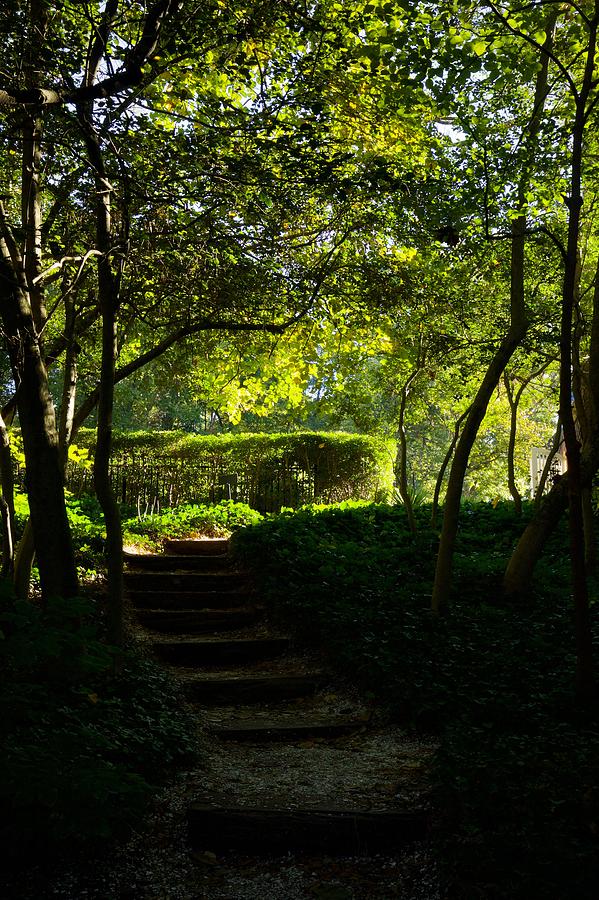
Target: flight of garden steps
(207, 626)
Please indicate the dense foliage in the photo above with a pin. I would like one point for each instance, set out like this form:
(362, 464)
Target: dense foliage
(82, 744)
(193, 520)
(518, 764)
(341, 465)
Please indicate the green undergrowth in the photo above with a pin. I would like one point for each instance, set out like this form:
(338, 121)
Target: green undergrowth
(518, 765)
(82, 747)
(217, 520)
(87, 525)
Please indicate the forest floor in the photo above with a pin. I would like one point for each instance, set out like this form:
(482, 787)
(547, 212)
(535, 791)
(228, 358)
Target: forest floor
(158, 863)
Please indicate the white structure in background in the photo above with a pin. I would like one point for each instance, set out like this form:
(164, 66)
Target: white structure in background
(538, 458)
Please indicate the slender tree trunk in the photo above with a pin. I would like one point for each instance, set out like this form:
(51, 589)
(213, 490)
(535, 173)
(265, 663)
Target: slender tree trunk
(24, 556)
(513, 338)
(577, 478)
(583, 420)
(553, 448)
(108, 294)
(584, 649)
(69, 388)
(549, 509)
(518, 574)
(401, 466)
(459, 466)
(102, 482)
(590, 543)
(444, 464)
(513, 398)
(7, 501)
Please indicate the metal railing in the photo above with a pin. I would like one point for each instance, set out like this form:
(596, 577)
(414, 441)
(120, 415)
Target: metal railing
(150, 485)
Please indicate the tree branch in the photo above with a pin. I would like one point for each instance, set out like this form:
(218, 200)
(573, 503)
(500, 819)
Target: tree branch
(128, 76)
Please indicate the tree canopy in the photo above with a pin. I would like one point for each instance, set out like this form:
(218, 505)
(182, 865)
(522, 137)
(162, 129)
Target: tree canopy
(379, 216)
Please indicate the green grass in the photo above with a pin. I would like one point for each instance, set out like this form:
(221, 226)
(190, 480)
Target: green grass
(210, 520)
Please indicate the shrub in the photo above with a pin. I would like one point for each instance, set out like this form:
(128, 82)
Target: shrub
(188, 520)
(518, 765)
(81, 747)
(264, 470)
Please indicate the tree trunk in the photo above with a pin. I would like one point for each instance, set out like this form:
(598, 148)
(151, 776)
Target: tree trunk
(513, 398)
(108, 294)
(102, 482)
(8, 500)
(69, 387)
(553, 448)
(590, 543)
(577, 479)
(459, 466)
(58, 574)
(518, 574)
(513, 338)
(23, 318)
(584, 649)
(401, 466)
(24, 556)
(45, 481)
(443, 469)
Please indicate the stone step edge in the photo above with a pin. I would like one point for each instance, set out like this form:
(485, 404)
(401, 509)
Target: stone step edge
(165, 624)
(336, 831)
(183, 580)
(229, 611)
(219, 651)
(259, 730)
(191, 641)
(177, 561)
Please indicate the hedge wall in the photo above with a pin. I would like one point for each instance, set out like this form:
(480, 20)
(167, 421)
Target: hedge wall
(163, 468)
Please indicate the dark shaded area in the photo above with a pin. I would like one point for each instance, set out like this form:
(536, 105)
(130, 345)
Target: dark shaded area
(518, 768)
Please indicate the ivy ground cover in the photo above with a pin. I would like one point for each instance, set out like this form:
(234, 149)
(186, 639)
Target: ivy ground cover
(518, 767)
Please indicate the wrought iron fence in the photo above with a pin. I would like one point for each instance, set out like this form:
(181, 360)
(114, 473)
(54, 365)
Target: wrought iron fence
(153, 484)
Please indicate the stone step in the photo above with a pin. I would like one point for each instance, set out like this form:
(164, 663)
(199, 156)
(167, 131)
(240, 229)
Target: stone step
(185, 581)
(279, 831)
(179, 600)
(302, 728)
(252, 689)
(213, 652)
(173, 562)
(200, 621)
(199, 547)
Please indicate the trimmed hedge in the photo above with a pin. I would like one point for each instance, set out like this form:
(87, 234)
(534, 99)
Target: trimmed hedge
(268, 471)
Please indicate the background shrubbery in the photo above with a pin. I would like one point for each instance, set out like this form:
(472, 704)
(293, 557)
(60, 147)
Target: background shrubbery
(265, 470)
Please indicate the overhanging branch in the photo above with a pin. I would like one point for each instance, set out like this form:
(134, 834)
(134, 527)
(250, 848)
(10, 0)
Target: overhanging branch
(128, 76)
